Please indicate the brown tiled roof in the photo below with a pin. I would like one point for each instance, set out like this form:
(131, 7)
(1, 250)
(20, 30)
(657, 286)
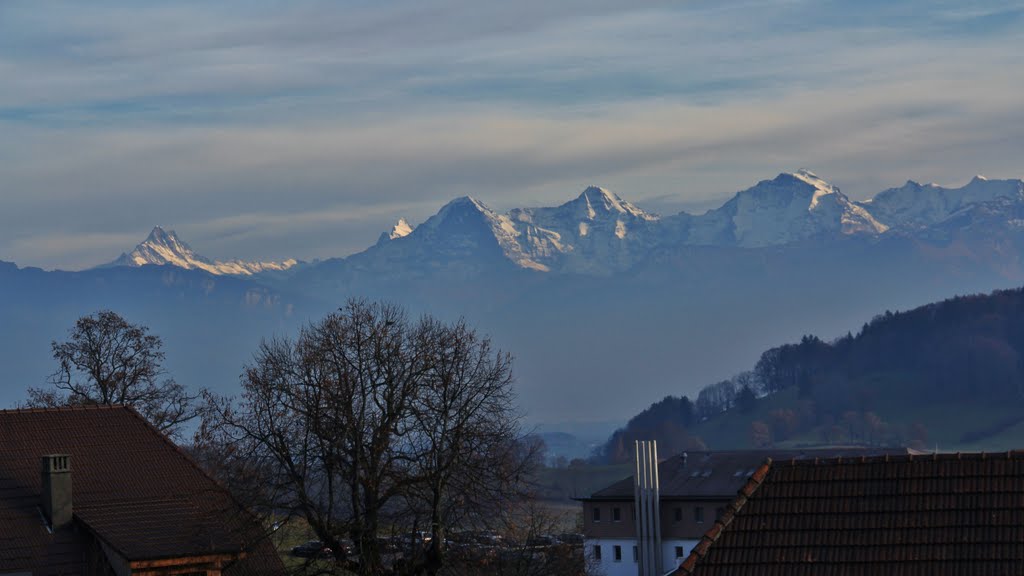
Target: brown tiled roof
(719, 474)
(132, 489)
(923, 514)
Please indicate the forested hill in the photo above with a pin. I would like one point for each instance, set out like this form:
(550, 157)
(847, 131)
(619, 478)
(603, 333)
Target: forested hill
(947, 374)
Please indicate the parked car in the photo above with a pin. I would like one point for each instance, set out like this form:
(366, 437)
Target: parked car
(312, 549)
(573, 538)
(542, 541)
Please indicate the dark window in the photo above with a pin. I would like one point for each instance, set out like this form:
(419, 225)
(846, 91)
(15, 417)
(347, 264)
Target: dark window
(679, 551)
(616, 514)
(635, 554)
(698, 514)
(678, 517)
(617, 553)
(597, 514)
(597, 552)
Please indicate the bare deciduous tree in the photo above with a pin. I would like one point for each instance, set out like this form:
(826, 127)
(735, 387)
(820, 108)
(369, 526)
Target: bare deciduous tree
(108, 360)
(368, 422)
(466, 434)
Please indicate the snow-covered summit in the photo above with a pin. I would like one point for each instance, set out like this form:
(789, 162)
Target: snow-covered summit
(401, 229)
(791, 207)
(595, 202)
(164, 247)
(597, 232)
(915, 206)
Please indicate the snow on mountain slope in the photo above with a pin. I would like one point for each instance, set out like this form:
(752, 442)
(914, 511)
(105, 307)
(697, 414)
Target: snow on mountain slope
(464, 219)
(789, 208)
(597, 232)
(164, 247)
(464, 232)
(401, 229)
(915, 206)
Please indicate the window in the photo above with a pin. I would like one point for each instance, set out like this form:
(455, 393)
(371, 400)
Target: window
(617, 553)
(597, 514)
(698, 514)
(678, 515)
(679, 551)
(597, 552)
(636, 555)
(616, 514)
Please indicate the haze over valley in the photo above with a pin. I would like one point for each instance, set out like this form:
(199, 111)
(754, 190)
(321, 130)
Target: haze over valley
(606, 307)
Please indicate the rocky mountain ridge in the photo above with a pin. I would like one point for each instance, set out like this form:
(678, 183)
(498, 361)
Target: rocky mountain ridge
(164, 247)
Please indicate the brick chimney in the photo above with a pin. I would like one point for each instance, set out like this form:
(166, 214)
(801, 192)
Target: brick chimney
(56, 472)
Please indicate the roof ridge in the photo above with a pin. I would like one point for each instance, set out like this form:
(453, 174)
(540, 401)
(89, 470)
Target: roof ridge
(903, 458)
(68, 408)
(709, 537)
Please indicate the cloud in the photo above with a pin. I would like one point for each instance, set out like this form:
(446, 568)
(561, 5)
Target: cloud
(262, 128)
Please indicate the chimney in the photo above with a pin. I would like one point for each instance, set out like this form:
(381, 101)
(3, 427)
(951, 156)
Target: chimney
(56, 471)
(683, 459)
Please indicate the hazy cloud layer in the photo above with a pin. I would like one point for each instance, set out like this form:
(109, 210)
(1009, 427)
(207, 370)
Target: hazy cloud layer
(272, 130)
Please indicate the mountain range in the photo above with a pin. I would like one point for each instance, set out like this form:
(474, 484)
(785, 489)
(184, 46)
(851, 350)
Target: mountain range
(599, 233)
(605, 305)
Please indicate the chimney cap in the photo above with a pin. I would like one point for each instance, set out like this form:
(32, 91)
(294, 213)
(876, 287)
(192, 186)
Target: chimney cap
(56, 463)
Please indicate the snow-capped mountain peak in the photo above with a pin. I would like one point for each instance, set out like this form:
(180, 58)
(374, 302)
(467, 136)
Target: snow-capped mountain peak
(163, 247)
(401, 229)
(791, 207)
(821, 187)
(805, 175)
(914, 206)
(595, 201)
(459, 208)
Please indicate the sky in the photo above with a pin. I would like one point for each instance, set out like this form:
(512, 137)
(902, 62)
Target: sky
(269, 130)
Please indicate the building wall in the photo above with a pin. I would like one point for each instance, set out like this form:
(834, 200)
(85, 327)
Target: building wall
(607, 527)
(686, 528)
(628, 566)
(670, 558)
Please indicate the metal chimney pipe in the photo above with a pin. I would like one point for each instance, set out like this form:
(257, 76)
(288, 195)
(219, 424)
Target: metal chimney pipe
(648, 500)
(638, 511)
(644, 533)
(656, 516)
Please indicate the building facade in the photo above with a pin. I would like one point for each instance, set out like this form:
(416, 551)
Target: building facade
(696, 488)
